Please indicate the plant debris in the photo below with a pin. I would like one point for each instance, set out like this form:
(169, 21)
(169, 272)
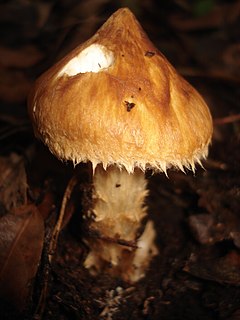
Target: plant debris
(196, 274)
(129, 105)
(149, 54)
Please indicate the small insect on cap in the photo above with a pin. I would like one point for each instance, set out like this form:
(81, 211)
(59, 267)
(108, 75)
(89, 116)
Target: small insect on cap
(115, 99)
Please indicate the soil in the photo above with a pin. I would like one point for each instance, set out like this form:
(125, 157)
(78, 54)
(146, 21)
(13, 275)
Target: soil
(197, 216)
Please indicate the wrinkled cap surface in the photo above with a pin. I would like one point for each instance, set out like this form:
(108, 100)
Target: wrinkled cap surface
(115, 99)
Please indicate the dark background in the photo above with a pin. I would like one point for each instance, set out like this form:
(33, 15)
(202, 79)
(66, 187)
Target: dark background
(197, 273)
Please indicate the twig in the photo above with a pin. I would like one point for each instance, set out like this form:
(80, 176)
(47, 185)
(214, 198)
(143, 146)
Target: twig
(95, 234)
(58, 226)
(228, 119)
(52, 247)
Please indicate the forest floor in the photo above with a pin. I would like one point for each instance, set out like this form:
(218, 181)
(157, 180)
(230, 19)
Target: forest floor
(197, 216)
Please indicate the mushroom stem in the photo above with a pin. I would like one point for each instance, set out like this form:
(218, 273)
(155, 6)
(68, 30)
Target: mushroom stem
(117, 244)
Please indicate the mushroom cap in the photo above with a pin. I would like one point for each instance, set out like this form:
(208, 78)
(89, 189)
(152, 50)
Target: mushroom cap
(115, 99)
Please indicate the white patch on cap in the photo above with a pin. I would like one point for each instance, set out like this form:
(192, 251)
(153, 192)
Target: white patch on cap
(92, 59)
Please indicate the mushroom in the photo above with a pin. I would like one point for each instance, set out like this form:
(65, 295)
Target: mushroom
(116, 101)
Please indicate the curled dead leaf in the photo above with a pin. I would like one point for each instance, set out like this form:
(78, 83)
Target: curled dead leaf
(13, 182)
(216, 18)
(21, 242)
(23, 57)
(220, 269)
(14, 85)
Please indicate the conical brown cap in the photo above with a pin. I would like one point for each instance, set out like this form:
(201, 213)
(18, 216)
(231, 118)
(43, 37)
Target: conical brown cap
(116, 99)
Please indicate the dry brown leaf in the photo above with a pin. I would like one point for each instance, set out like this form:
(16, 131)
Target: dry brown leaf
(231, 57)
(224, 270)
(21, 242)
(44, 11)
(13, 182)
(23, 57)
(14, 85)
(217, 18)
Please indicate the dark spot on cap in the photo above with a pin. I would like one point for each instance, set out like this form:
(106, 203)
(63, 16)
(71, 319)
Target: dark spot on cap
(139, 89)
(117, 185)
(149, 54)
(129, 105)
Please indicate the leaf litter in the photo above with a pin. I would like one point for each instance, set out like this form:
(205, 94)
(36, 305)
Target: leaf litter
(197, 272)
